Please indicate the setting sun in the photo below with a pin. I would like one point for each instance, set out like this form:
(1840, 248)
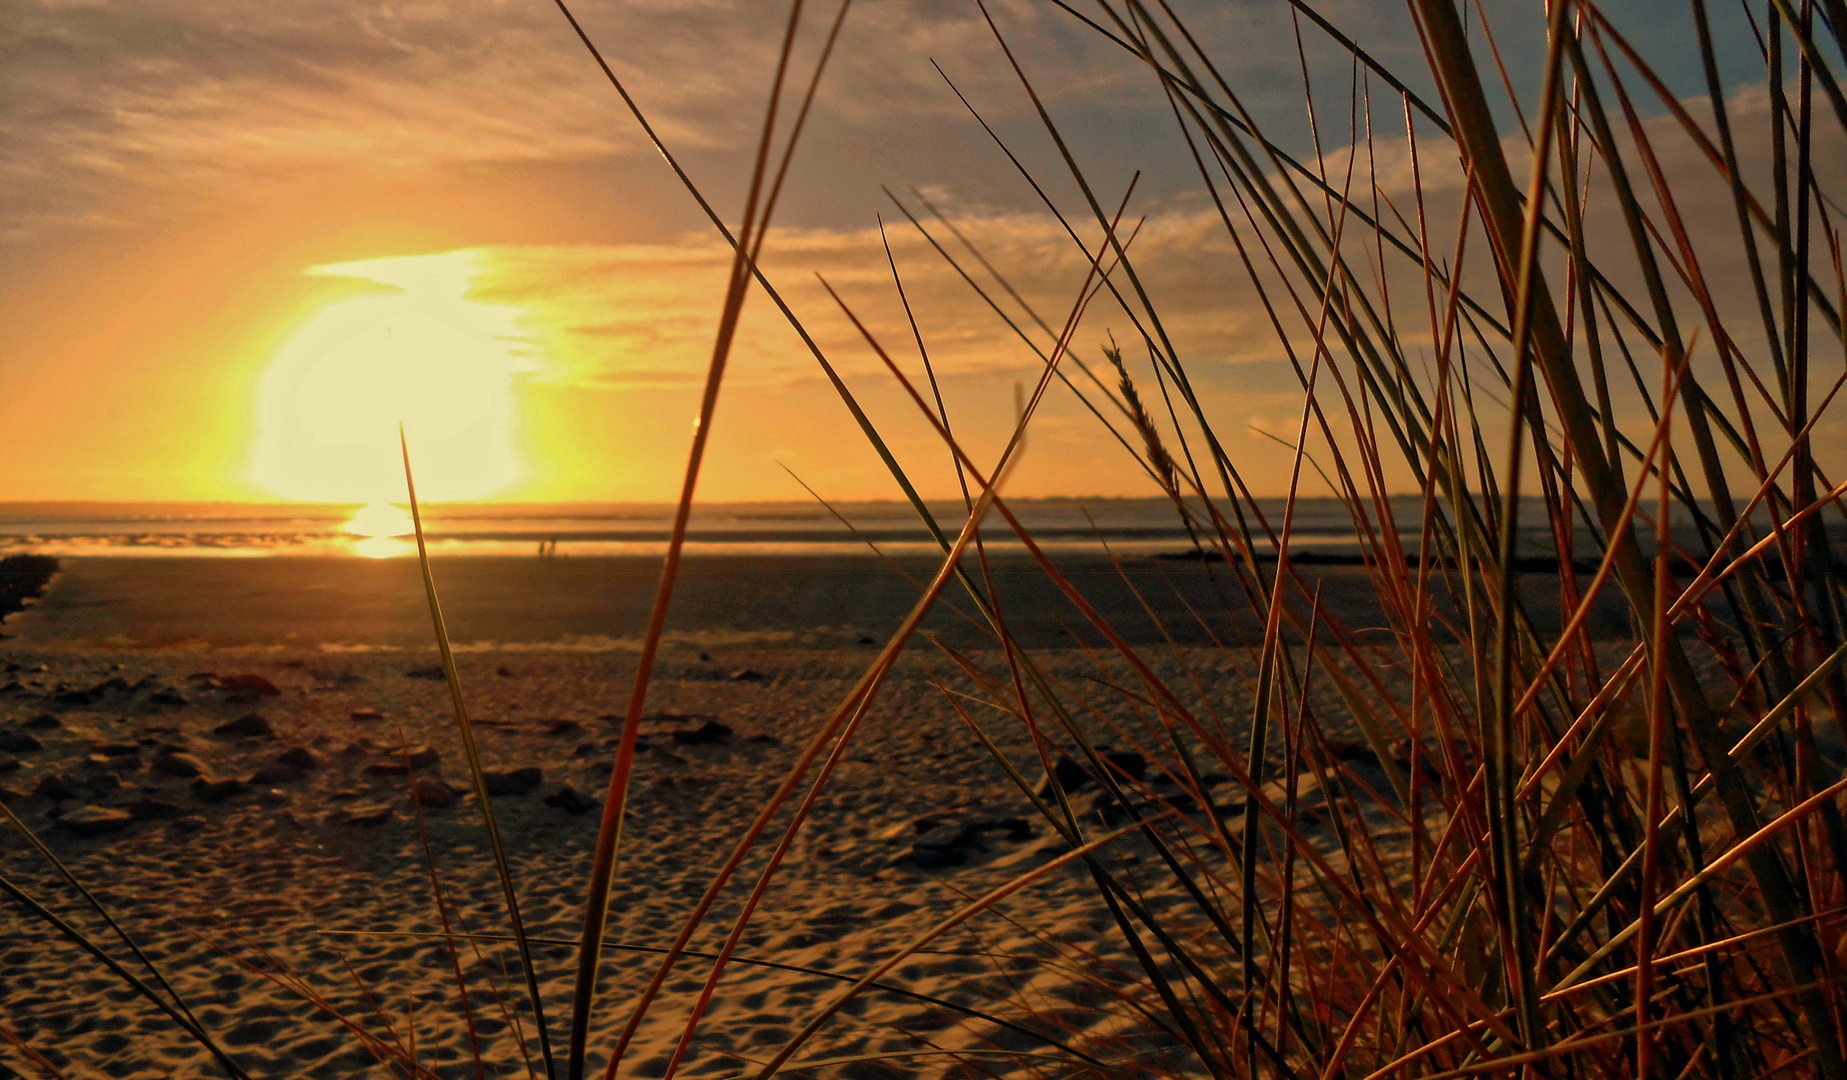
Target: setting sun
(421, 353)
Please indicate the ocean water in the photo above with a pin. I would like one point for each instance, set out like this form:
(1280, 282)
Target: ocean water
(772, 528)
(166, 576)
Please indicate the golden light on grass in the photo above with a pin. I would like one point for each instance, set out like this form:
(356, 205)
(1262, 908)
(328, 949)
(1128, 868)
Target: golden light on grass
(418, 350)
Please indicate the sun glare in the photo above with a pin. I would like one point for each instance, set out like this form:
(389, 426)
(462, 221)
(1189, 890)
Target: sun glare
(380, 524)
(420, 352)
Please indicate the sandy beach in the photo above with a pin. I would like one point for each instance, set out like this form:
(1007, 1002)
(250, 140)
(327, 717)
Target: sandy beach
(297, 847)
(258, 859)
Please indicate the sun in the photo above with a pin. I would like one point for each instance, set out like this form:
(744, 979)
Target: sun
(417, 351)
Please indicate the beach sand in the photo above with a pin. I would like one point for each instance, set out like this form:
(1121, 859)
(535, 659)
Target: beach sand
(321, 877)
(280, 875)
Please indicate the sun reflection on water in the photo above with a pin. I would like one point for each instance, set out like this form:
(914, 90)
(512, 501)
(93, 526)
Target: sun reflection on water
(380, 524)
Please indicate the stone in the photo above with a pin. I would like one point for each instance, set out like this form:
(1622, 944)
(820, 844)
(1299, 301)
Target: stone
(571, 801)
(276, 773)
(103, 782)
(118, 749)
(73, 697)
(44, 722)
(705, 734)
(216, 791)
(8, 764)
(513, 781)
(252, 725)
(368, 714)
(55, 786)
(364, 814)
(300, 757)
(145, 809)
(562, 727)
(422, 757)
(9, 795)
(94, 820)
(386, 768)
(179, 763)
(168, 697)
(249, 684)
(18, 742)
(745, 675)
(429, 791)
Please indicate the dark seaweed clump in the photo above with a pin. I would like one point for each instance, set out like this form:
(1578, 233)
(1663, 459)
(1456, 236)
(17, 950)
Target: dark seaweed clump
(23, 577)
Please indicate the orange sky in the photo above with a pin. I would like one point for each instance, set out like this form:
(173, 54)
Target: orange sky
(178, 171)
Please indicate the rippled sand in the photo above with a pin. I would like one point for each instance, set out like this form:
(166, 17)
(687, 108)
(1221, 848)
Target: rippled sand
(273, 879)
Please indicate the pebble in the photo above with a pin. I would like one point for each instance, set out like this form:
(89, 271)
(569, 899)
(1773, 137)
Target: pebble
(429, 791)
(94, 820)
(300, 757)
(214, 791)
(705, 734)
(179, 763)
(249, 684)
(366, 814)
(55, 786)
(145, 809)
(571, 801)
(249, 724)
(277, 773)
(513, 781)
(18, 742)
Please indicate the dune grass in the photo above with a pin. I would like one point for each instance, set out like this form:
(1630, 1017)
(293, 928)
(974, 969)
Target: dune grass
(1538, 853)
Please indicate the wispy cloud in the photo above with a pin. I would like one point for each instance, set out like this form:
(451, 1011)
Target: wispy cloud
(103, 101)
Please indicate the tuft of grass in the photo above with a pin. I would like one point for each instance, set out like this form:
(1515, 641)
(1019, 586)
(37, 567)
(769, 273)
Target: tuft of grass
(1462, 837)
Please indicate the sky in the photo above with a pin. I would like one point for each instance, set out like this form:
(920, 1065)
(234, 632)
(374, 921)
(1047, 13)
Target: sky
(240, 240)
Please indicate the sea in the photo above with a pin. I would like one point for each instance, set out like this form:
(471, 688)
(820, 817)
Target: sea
(319, 578)
(242, 530)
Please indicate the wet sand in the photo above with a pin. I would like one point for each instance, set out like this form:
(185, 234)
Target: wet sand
(602, 602)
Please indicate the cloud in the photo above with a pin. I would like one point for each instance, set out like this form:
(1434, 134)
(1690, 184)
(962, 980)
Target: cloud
(203, 98)
(609, 316)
